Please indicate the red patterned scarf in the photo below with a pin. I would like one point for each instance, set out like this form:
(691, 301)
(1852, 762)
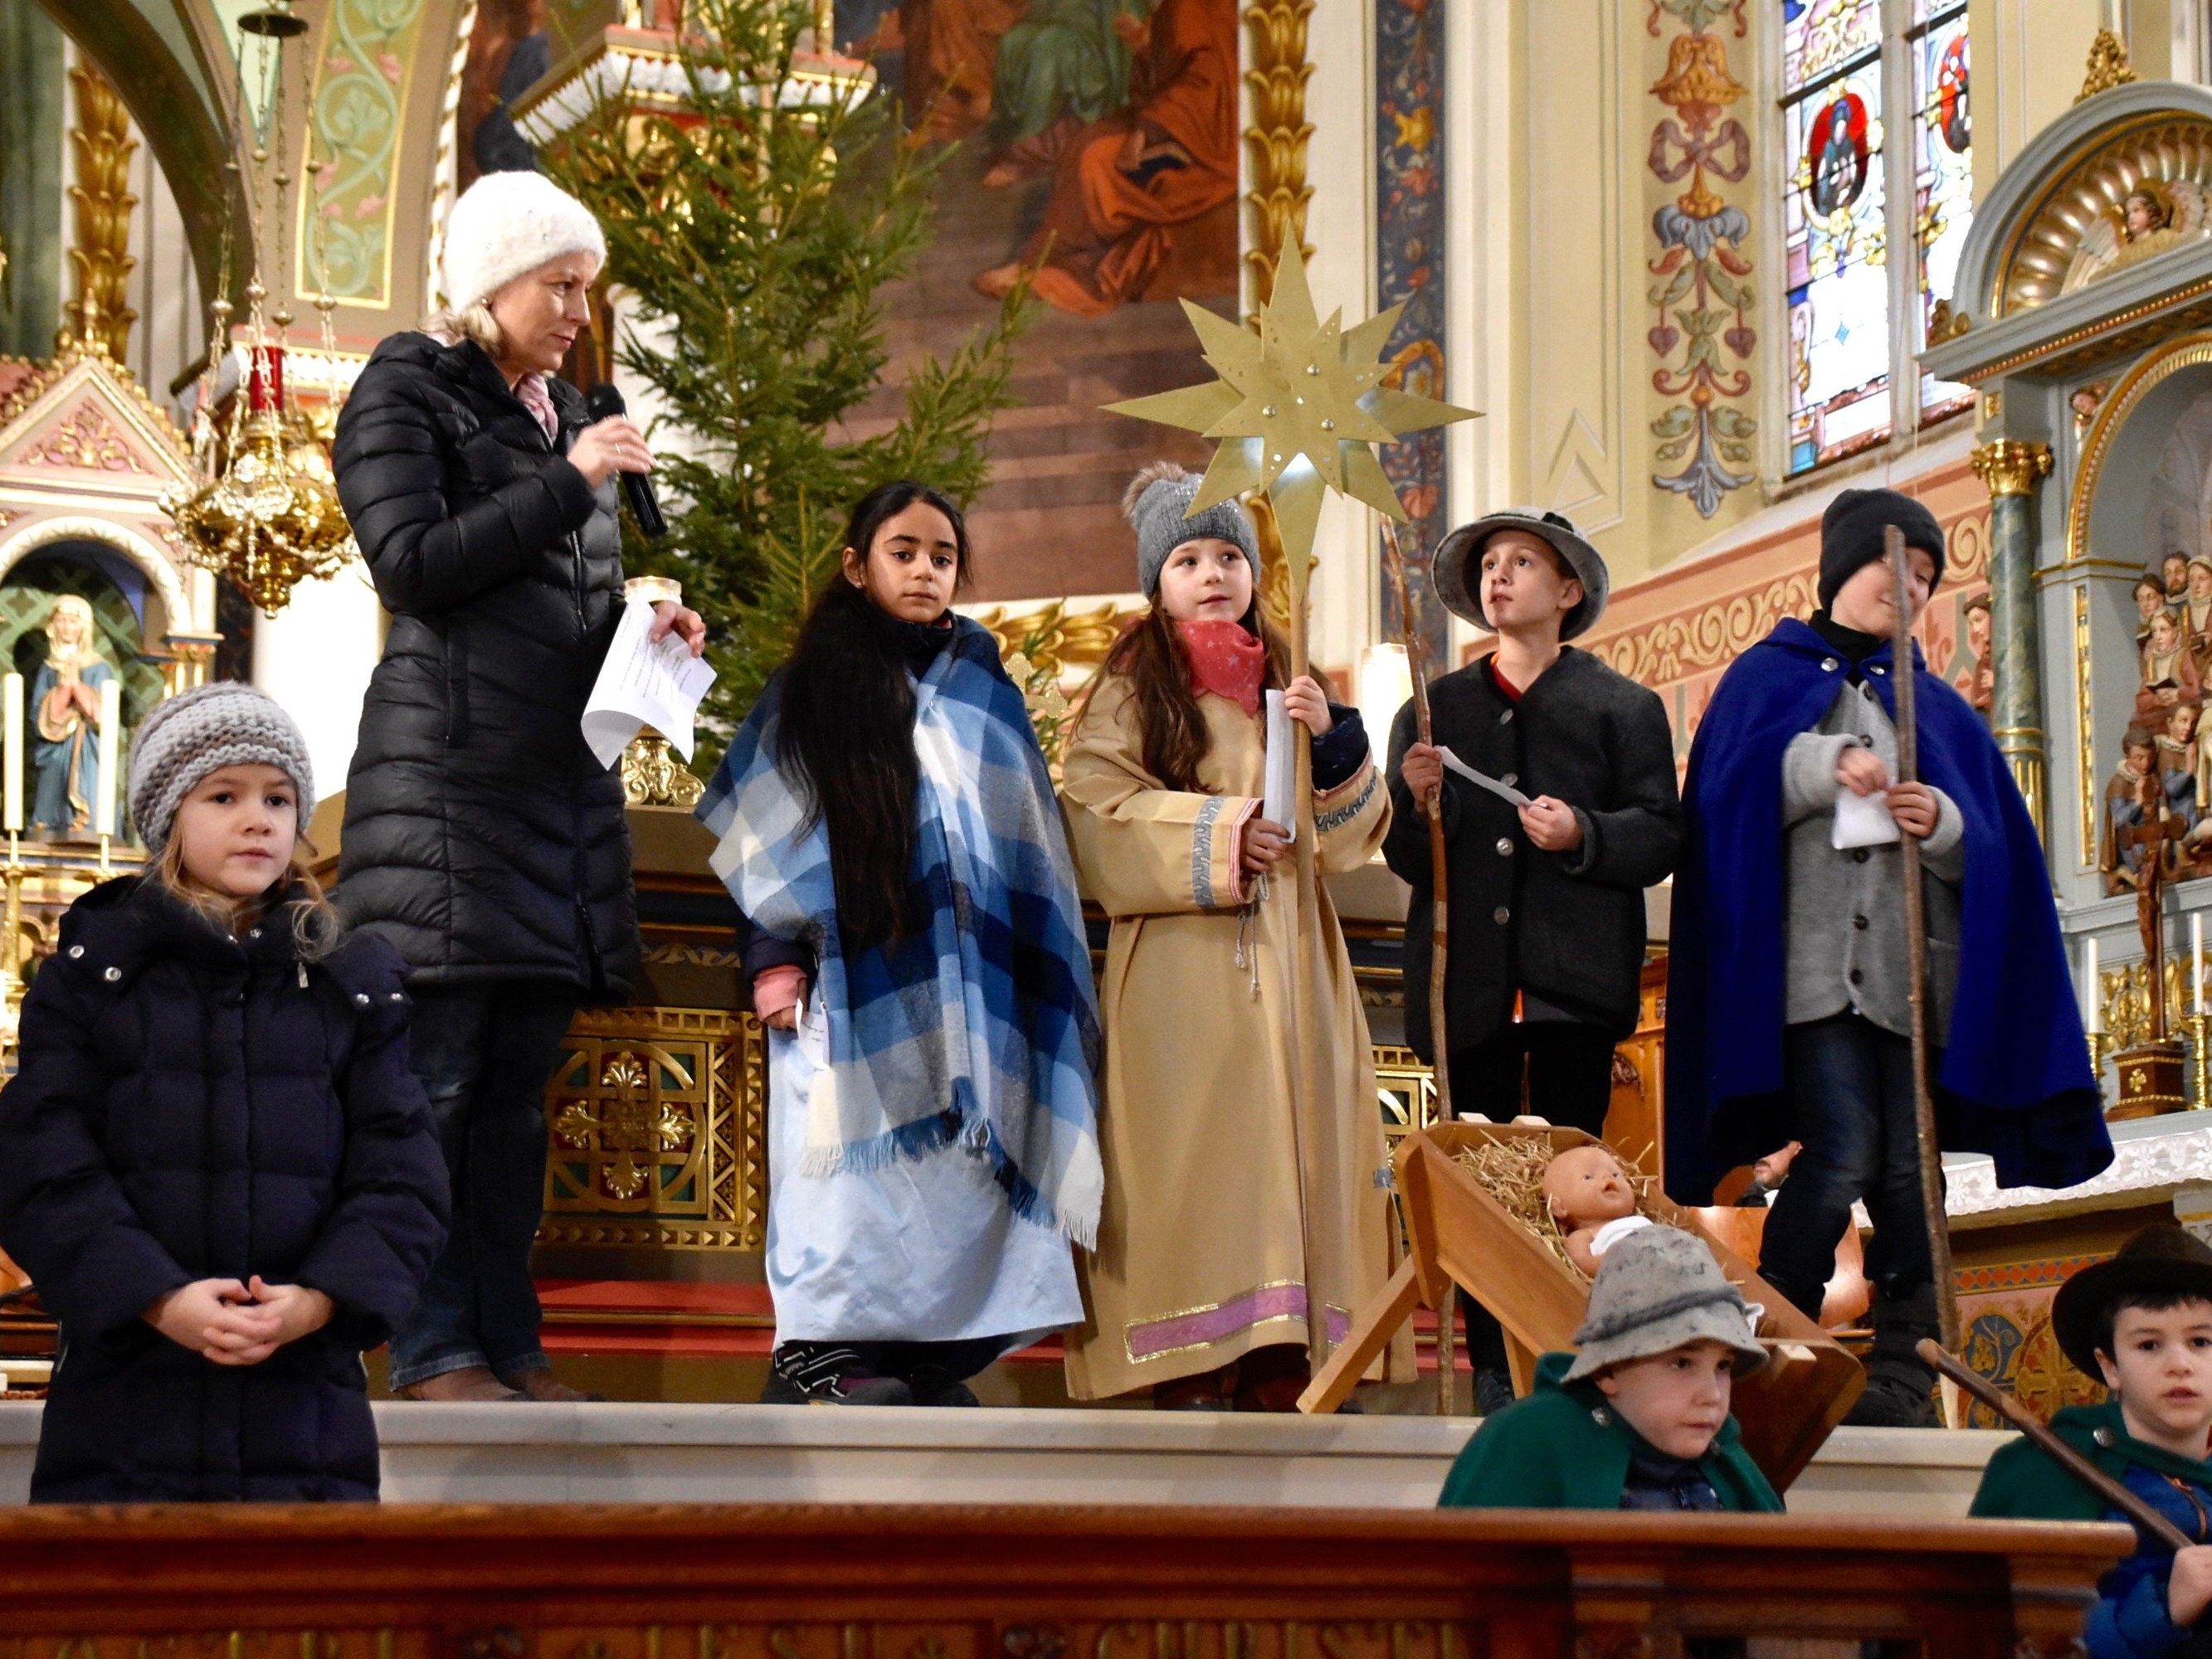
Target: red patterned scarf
(1226, 660)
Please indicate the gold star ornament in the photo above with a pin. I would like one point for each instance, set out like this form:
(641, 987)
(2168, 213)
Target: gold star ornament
(1298, 408)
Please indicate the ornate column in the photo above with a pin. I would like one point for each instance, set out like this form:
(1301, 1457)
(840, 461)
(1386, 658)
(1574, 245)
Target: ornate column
(2011, 468)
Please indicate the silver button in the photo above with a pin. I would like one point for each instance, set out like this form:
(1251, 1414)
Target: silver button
(1510, 779)
(1879, 669)
(1600, 1416)
(399, 996)
(1506, 719)
(1829, 664)
(253, 932)
(1505, 847)
(112, 975)
(360, 999)
(1501, 915)
(76, 951)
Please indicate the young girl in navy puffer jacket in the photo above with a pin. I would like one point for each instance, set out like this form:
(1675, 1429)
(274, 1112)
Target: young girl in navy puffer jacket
(213, 1160)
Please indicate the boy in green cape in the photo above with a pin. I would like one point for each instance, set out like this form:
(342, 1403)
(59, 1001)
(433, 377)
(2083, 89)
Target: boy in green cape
(2142, 1321)
(1638, 1418)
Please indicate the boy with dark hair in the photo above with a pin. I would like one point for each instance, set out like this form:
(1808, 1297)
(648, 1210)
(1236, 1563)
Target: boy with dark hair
(2142, 1321)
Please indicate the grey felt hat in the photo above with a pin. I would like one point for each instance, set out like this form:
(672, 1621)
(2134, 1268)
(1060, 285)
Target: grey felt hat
(1462, 597)
(1656, 1290)
(1155, 504)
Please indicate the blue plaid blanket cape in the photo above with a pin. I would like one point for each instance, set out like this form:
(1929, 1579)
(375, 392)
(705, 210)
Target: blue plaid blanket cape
(980, 1030)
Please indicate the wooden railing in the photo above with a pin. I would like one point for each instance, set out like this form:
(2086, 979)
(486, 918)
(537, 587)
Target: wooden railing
(963, 1583)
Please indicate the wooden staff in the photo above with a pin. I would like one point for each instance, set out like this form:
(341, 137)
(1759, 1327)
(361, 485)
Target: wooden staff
(2063, 1454)
(1439, 932)
(1902, 675)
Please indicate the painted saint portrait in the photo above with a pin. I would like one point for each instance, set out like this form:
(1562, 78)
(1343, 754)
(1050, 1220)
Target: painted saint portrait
(1838, 153)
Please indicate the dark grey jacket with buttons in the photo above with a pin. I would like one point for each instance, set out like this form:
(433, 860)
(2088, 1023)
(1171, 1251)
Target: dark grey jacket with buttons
(482, 835)
(1566, 927)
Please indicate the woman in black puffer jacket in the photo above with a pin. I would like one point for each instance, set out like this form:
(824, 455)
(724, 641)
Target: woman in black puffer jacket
(482, 837)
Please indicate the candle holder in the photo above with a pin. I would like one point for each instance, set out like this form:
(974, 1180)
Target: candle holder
(105, 842)
(2101, 1050)
(2199, 1027)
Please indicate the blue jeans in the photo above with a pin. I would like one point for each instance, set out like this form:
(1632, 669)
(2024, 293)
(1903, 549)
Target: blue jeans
(1851, 1083)
(484, 1054)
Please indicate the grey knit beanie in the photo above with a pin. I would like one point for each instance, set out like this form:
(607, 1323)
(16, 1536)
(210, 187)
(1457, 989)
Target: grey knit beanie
(1156, 503)
(202, 731)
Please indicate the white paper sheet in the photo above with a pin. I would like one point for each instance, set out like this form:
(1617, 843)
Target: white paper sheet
(643, 683)
(1481, 779)
(1862, 820)
(1282, 767)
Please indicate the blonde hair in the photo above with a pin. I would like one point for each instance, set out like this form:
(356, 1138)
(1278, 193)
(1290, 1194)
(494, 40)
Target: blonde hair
(471, 322)
(316, 925)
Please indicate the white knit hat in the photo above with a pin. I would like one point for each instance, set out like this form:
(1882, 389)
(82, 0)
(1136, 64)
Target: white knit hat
(507, 224)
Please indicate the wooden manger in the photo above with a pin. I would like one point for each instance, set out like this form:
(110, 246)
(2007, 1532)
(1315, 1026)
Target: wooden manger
(1502, 1249)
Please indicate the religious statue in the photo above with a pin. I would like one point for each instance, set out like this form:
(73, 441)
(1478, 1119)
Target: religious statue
(66, 721)
(1976, 680)
(1593, 1200)
(2154, 217)
(2150, 808)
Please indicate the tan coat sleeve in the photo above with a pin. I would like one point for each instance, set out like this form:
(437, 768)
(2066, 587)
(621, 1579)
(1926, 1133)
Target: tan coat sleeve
(1139, 850)
(1350, 820)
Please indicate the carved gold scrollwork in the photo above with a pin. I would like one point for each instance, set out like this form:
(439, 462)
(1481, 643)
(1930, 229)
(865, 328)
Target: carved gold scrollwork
(1278, 135)
(101, 254)
(2010, 467)
(2109, 65)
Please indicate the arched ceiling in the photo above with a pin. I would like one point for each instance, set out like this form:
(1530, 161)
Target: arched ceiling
(172, 62)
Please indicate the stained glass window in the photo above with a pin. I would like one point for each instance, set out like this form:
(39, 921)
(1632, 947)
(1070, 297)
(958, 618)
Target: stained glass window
(1852, 305)
(1943, 181)
(1836, 240)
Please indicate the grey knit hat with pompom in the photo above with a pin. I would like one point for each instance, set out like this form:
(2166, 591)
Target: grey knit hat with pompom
(1155, 504)
(202, 731)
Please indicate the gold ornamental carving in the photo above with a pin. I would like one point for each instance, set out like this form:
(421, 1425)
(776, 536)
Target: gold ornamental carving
(2109, 66)
(2123, 998)
(2011, 467)
(657, 1132)
(1278, 135)
(2086, 755)
(1706, 638)
(653, 774)
(88, 438)
(101, 253)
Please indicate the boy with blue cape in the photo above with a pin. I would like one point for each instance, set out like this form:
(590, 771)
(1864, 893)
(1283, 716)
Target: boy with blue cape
(1789, 1011)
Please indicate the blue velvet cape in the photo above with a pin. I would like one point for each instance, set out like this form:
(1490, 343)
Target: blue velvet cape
(2014, 1081)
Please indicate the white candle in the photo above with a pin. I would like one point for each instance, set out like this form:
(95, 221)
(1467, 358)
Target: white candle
(2196, 956)
(11, 746)
(2093, 1004)
(111, 735)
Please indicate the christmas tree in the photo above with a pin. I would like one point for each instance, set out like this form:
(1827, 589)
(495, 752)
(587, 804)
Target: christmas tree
(751, 236)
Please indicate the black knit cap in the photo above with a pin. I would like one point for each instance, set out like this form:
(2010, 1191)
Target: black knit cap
(2162, 1260)
(1850, 534)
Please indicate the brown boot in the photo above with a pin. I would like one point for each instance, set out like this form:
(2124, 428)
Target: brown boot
(539, 1384)
(1272, 1378)
(1209, 1391)
(470, 1383)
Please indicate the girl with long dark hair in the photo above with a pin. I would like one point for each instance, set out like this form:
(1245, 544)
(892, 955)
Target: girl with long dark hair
(887, 826)
(1216, 1243)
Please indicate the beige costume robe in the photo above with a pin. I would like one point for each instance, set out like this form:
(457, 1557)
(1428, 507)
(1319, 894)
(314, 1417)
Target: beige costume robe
(1201, 1255)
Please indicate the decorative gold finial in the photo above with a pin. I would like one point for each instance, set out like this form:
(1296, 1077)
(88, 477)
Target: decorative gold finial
(101, 313)
(2109, 66)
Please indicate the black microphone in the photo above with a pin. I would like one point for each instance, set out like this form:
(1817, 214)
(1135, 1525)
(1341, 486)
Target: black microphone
(603, 401)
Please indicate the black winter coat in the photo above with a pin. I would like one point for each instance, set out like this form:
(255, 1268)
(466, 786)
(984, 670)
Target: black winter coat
(1568, 927)
(186, 1109)
(482, 837)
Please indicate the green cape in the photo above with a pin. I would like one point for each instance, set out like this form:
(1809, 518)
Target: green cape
(1564, 1447)
(2025, 1482)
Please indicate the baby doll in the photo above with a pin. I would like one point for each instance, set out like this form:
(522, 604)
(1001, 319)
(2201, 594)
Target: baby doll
(1593, 1200)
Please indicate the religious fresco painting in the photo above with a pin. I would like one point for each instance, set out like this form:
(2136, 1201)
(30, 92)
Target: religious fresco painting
(1097, 147)
(1409, 270)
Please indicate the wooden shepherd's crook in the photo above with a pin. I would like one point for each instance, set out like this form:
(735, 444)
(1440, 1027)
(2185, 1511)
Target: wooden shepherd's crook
(1439, 929)
(2008, 1406)
(1903, 677)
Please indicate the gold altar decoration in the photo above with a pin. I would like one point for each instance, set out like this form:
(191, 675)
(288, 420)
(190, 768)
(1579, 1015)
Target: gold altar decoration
(1278, 135)
(101, 253)
(2045, 254)
(2011, 467)
(264, 512)
(2109, 66)
(658, 1123)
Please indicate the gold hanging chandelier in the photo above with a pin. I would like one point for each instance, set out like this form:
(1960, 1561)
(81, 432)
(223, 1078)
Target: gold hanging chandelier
(264, 511)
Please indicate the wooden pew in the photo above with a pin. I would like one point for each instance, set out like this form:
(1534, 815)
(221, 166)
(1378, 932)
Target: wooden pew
(552, 1581)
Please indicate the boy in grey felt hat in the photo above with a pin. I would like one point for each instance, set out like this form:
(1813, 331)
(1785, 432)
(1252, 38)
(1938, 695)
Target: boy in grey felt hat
(1547, 922)
(1636, 1419)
